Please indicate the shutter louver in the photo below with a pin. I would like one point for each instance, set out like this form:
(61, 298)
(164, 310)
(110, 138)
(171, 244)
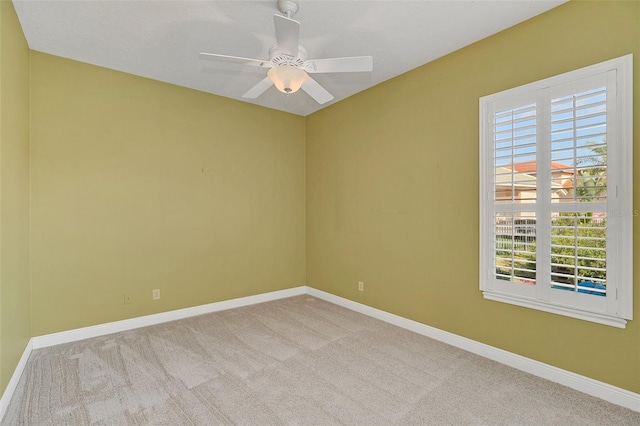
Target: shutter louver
(514, 144)
(514, 151)
(578, 253)
(579, 186)
(578, 144)
(515, 248)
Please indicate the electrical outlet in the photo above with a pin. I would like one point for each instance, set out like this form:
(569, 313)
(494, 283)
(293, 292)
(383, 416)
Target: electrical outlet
(155, 294)
(127, 299)
(361, 285)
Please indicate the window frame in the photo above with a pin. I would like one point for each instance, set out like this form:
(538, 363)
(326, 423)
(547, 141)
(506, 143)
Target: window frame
(619, 204)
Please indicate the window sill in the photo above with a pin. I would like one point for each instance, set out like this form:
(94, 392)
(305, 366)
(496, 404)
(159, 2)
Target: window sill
(555, 309)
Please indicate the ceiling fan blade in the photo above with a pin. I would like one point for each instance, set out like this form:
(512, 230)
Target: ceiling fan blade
(287, 34)
(316, 91)
(235, 60)
(258, 89)
(353, 64)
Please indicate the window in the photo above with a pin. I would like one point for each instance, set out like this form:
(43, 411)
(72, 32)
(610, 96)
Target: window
(556, 210)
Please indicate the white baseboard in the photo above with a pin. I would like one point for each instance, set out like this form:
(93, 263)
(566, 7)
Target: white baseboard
(147, 320)
(584, 384)
(575, 381)
(130, 324)
(15, 378)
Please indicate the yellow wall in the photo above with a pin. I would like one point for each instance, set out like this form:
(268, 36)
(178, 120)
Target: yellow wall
(138, 185)
(392, 191)
(15, 311)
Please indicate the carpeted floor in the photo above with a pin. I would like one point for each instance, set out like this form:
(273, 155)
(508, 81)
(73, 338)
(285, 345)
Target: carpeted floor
(294, 361)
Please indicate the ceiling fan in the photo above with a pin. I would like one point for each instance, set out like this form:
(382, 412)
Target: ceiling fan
(288, 65)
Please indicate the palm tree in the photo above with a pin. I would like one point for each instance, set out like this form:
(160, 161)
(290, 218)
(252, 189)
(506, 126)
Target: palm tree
(591, 179)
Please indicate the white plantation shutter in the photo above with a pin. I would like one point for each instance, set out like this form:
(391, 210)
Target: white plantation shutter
(578, 253)
(514, 196)
(578, 134)
(579, 118)
(514, 142)
(555, 183)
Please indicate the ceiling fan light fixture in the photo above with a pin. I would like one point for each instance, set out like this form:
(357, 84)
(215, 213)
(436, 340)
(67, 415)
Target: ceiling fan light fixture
(287, 78)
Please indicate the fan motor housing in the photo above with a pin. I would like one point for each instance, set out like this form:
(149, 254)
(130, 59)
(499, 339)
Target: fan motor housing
(277, 57)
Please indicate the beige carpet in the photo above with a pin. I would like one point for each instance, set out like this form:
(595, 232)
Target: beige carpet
(294, 361)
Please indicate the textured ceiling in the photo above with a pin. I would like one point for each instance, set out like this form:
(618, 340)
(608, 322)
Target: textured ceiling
(161, 40)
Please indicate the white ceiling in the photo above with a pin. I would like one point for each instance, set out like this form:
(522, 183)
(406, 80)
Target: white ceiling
(161, 40)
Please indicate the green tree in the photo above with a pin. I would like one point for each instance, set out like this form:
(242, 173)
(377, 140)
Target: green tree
(591, 179)
(578, 239)
(578, 246)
